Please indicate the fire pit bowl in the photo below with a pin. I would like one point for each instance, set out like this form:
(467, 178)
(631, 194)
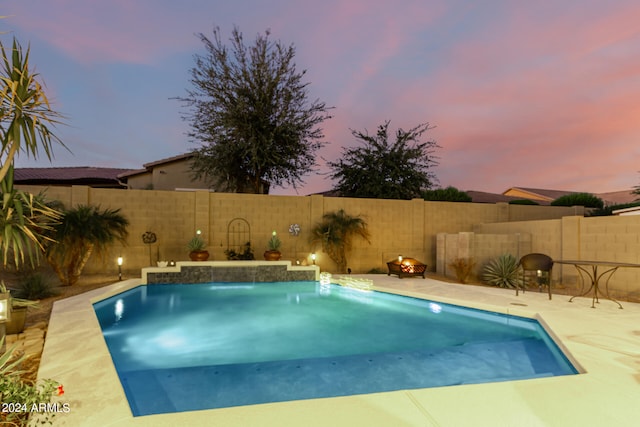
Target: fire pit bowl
(406, 267)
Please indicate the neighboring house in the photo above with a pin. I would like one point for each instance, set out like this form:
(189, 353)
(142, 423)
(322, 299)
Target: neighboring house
(483, 197)
(539, 194)
(173, 173)
(627, 211)
(67, 176)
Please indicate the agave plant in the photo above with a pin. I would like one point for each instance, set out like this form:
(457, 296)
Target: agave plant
(503, 272)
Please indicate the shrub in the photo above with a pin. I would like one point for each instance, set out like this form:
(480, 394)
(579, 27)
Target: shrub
(579, 199)
(503, 272)
(34, 286)
(463, 268)
(15, 391)
(523, 202)
(246, 254)
(608, 210)
(449, 194)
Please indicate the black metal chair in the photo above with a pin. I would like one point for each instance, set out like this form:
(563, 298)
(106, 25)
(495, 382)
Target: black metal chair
(541, 264)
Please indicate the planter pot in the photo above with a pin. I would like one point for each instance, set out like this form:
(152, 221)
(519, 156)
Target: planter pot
(199, 255)
(272, 255)
(18, 320)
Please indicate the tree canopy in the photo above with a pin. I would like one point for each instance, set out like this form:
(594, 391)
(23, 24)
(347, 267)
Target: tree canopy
(249, 109)
(385, 170)
(449, 194)
(579, 199)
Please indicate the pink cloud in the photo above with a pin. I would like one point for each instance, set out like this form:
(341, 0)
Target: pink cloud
(95, 31)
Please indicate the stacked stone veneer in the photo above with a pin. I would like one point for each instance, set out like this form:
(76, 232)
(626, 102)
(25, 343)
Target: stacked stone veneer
(233, 271)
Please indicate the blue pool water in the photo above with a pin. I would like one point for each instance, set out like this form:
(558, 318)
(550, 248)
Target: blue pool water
(189, 347)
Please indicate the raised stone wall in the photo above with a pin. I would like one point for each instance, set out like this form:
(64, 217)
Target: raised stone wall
(230, 271)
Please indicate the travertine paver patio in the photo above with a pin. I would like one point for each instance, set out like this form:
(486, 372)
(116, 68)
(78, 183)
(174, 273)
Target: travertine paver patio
(603, 342)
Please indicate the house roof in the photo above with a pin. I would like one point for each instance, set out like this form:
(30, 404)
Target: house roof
(75, 175)
(610, 198)
(483, 197)
(149, 166)
(618, 197)
(540, 193)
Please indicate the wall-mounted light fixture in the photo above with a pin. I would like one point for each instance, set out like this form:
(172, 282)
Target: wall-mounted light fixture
(5, 314)
(313, 258)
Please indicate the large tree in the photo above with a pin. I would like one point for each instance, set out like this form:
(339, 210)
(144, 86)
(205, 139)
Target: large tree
(386, 170)
(249, 109)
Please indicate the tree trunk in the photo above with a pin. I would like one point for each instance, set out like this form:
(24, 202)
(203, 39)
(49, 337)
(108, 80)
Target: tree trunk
(77, 267)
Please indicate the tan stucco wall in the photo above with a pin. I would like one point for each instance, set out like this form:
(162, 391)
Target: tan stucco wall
(166, 176)
(608, 238)
(407, 227)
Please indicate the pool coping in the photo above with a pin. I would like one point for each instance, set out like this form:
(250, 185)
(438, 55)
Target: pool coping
(602, 343)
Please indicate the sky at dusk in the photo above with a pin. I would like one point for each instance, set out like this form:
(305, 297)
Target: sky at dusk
(539, 94)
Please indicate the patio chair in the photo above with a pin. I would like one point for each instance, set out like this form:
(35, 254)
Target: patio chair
(540, 265)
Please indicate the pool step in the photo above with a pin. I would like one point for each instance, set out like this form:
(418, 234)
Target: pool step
(207, 387)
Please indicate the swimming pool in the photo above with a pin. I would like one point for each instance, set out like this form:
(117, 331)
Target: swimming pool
(189, 347)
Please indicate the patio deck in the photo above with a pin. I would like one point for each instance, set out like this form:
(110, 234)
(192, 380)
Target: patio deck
(604, 343)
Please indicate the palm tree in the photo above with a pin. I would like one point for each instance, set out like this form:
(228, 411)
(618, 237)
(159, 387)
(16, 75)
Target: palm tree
(25, 126)
(336, 232)
(82, 231)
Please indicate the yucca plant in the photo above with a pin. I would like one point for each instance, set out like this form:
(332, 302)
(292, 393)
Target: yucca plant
(26, 117)
(26, 121)
(25, 221)
(503, 272)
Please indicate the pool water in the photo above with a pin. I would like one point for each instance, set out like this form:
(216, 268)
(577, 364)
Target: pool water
(189, 347)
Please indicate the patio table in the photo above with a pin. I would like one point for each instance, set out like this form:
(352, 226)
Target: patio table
(590, 269)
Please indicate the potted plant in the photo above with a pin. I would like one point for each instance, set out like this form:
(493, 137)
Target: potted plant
(18, 307)
(197, 248)
(273, 248)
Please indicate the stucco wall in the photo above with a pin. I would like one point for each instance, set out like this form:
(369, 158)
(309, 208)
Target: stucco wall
(406, 227)
(608, 238)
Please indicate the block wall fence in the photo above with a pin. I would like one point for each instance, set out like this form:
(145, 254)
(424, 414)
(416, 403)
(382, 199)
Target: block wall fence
(608, 238)
(406, 227)
(433, 232)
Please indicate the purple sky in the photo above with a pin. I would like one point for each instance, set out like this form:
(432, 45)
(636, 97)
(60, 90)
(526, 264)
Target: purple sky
(534, 94)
